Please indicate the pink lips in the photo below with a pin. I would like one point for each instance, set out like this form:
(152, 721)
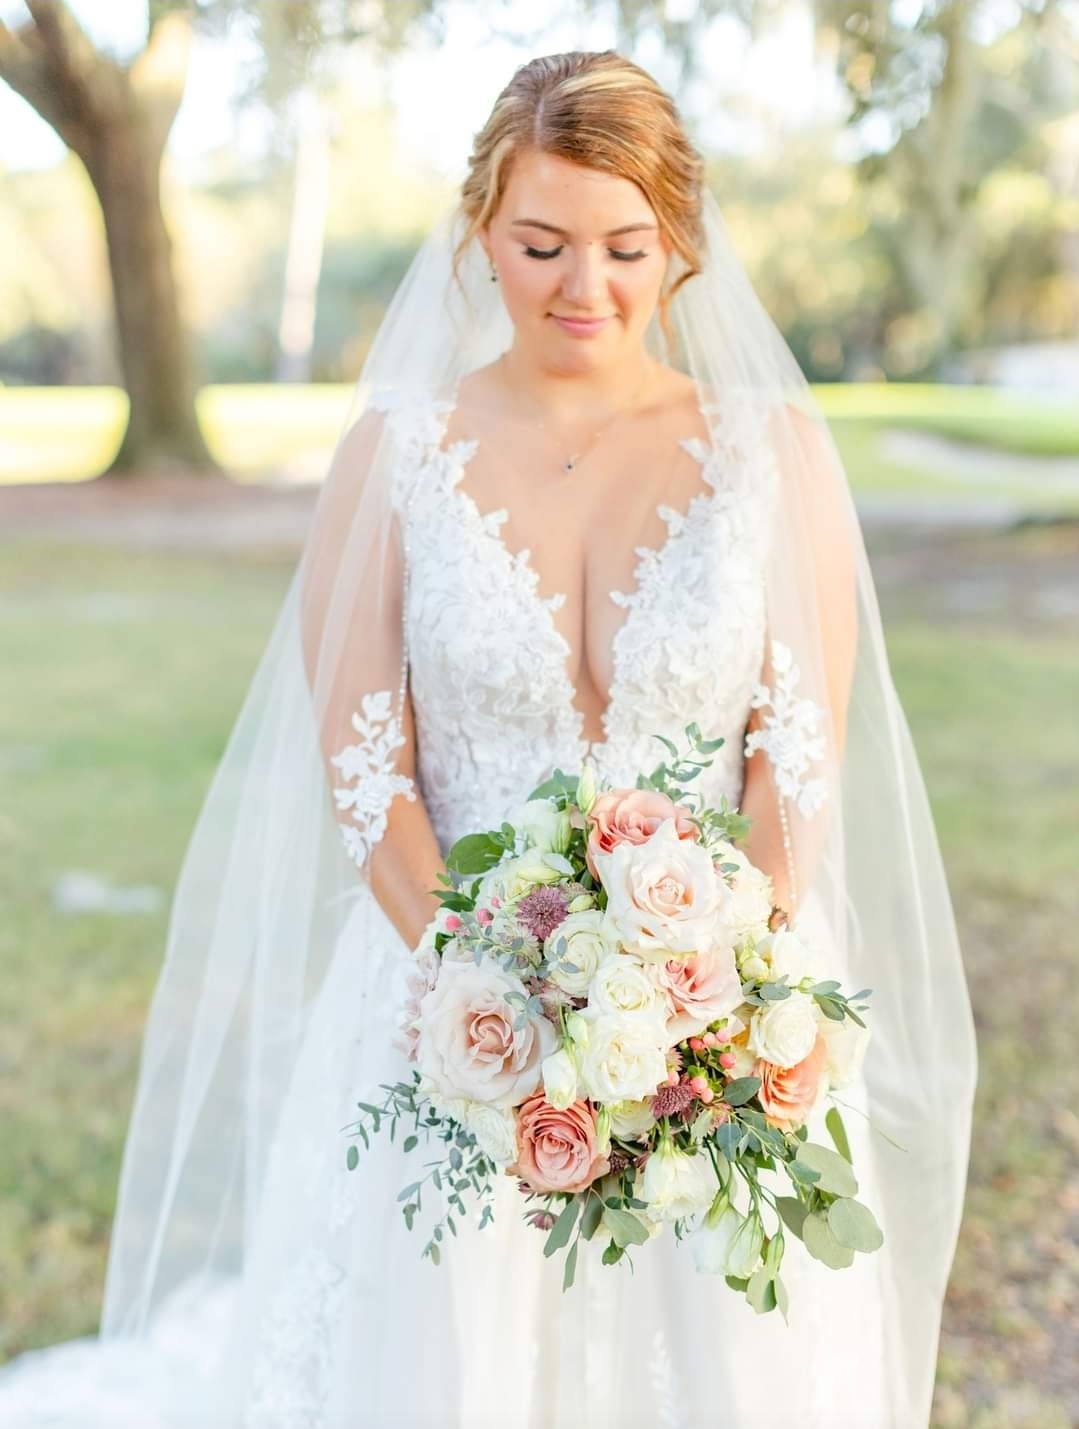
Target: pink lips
(581, 327)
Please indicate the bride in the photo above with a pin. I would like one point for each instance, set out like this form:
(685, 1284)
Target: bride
(584, 499)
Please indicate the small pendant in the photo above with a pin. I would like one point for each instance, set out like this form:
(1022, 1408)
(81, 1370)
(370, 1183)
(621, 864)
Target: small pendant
(570, 462)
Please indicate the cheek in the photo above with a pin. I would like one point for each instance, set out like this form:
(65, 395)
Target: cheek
(640, 288)
(527, 285)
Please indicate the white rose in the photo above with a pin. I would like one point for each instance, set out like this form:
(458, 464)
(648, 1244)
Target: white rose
(663, 896)
(751, 891)
(631, 1119)
(624, 1059)
(575, 950)
(847, 1043)
(783, 1033)
(622, 985)
(469, 1042)
(560, 1079)
(676, 1184)
(495, 1131)
(789, 955)
(544, 825)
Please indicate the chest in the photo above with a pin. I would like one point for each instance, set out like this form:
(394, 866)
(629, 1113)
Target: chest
(642, 607)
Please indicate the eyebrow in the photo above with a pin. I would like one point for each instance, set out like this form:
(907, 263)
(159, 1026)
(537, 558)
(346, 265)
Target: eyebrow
(612, 233)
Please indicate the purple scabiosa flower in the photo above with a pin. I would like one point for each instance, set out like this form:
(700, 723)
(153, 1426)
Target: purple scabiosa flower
(542, 910)
(673, 1101)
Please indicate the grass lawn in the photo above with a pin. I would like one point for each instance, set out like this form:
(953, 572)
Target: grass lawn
(124, 674)
(68, 434)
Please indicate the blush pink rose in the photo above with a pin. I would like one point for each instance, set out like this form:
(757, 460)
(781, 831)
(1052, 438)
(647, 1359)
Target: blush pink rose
(701, 989)
(632, 816)
(470, 1043)
(557, 1149)
(787, 1094)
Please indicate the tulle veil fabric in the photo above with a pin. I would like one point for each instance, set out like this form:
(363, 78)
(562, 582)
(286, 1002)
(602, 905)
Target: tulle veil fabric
(269, 882)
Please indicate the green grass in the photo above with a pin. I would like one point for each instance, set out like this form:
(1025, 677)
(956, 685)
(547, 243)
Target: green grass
(986, 416)
(125, 672)
(69, 434)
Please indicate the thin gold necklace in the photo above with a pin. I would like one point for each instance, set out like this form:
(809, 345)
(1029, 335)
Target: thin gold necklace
(573, 461)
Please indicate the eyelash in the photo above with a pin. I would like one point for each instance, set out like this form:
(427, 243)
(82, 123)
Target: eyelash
(614, 252)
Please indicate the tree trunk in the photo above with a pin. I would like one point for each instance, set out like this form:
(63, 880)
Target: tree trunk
(154, 353)
(117, 118)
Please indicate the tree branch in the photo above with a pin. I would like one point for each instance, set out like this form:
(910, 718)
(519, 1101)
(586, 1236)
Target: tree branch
(54, 66)
(158, 75)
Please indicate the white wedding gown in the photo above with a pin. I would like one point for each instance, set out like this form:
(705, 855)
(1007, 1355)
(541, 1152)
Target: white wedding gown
(337, 1323)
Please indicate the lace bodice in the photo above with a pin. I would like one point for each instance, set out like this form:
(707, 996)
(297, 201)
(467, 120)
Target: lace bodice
(492, 697)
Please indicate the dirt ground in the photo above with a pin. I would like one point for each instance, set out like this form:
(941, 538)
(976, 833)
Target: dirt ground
(1026, 574)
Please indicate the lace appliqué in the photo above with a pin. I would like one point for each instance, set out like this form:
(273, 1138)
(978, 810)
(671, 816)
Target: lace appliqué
(790, 735)
(370, 764)
(289, 1383)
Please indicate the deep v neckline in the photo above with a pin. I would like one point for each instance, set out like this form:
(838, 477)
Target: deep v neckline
(648, 566)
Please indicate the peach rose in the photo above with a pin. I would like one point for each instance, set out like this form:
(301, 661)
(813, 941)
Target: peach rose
(557, 1149)
(700, 989)
(788, 1094)
(632, 816)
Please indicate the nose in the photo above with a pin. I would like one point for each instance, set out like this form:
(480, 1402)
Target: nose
(583, 282)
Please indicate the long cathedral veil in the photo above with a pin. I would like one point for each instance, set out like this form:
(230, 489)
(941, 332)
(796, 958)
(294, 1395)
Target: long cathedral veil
(276, 856)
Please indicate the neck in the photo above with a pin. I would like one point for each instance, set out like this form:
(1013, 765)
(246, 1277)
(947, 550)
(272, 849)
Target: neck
(569, 397)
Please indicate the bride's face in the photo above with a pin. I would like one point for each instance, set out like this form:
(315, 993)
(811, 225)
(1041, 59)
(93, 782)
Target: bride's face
(580, 259)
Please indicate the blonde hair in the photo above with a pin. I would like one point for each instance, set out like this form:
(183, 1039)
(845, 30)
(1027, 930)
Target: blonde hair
(599, 110)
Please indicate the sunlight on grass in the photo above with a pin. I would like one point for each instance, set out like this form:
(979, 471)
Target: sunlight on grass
(71, 434)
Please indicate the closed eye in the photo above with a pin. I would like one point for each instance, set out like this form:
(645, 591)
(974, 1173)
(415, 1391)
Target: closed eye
(544, 253)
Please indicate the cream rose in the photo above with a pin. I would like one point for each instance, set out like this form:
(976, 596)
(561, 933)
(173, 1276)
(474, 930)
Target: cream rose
(495, 1130)
(751, 891)
(846, 1043)
(469, 1044)
(784, 1032)
(623, 987)
(631, 1119)
(664, 896)
(575, 950)
(789, 955)
(624, 1058)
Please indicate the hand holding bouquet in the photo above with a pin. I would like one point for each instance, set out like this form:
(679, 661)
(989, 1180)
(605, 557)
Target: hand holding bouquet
(609, 1008)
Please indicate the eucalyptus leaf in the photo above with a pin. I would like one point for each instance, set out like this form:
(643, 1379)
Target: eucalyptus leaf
(741, 1090)
(822, 1244)
(571, 1267)
(835, 1173)
(792, 1212)
(854, 1225)
(838, 1132)
(591, 1217)
(760, 1292)
(562, 1228)
(352, 1160)
(625, 1228)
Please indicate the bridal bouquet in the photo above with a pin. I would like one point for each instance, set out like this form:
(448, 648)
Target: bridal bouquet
(609, 1008)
